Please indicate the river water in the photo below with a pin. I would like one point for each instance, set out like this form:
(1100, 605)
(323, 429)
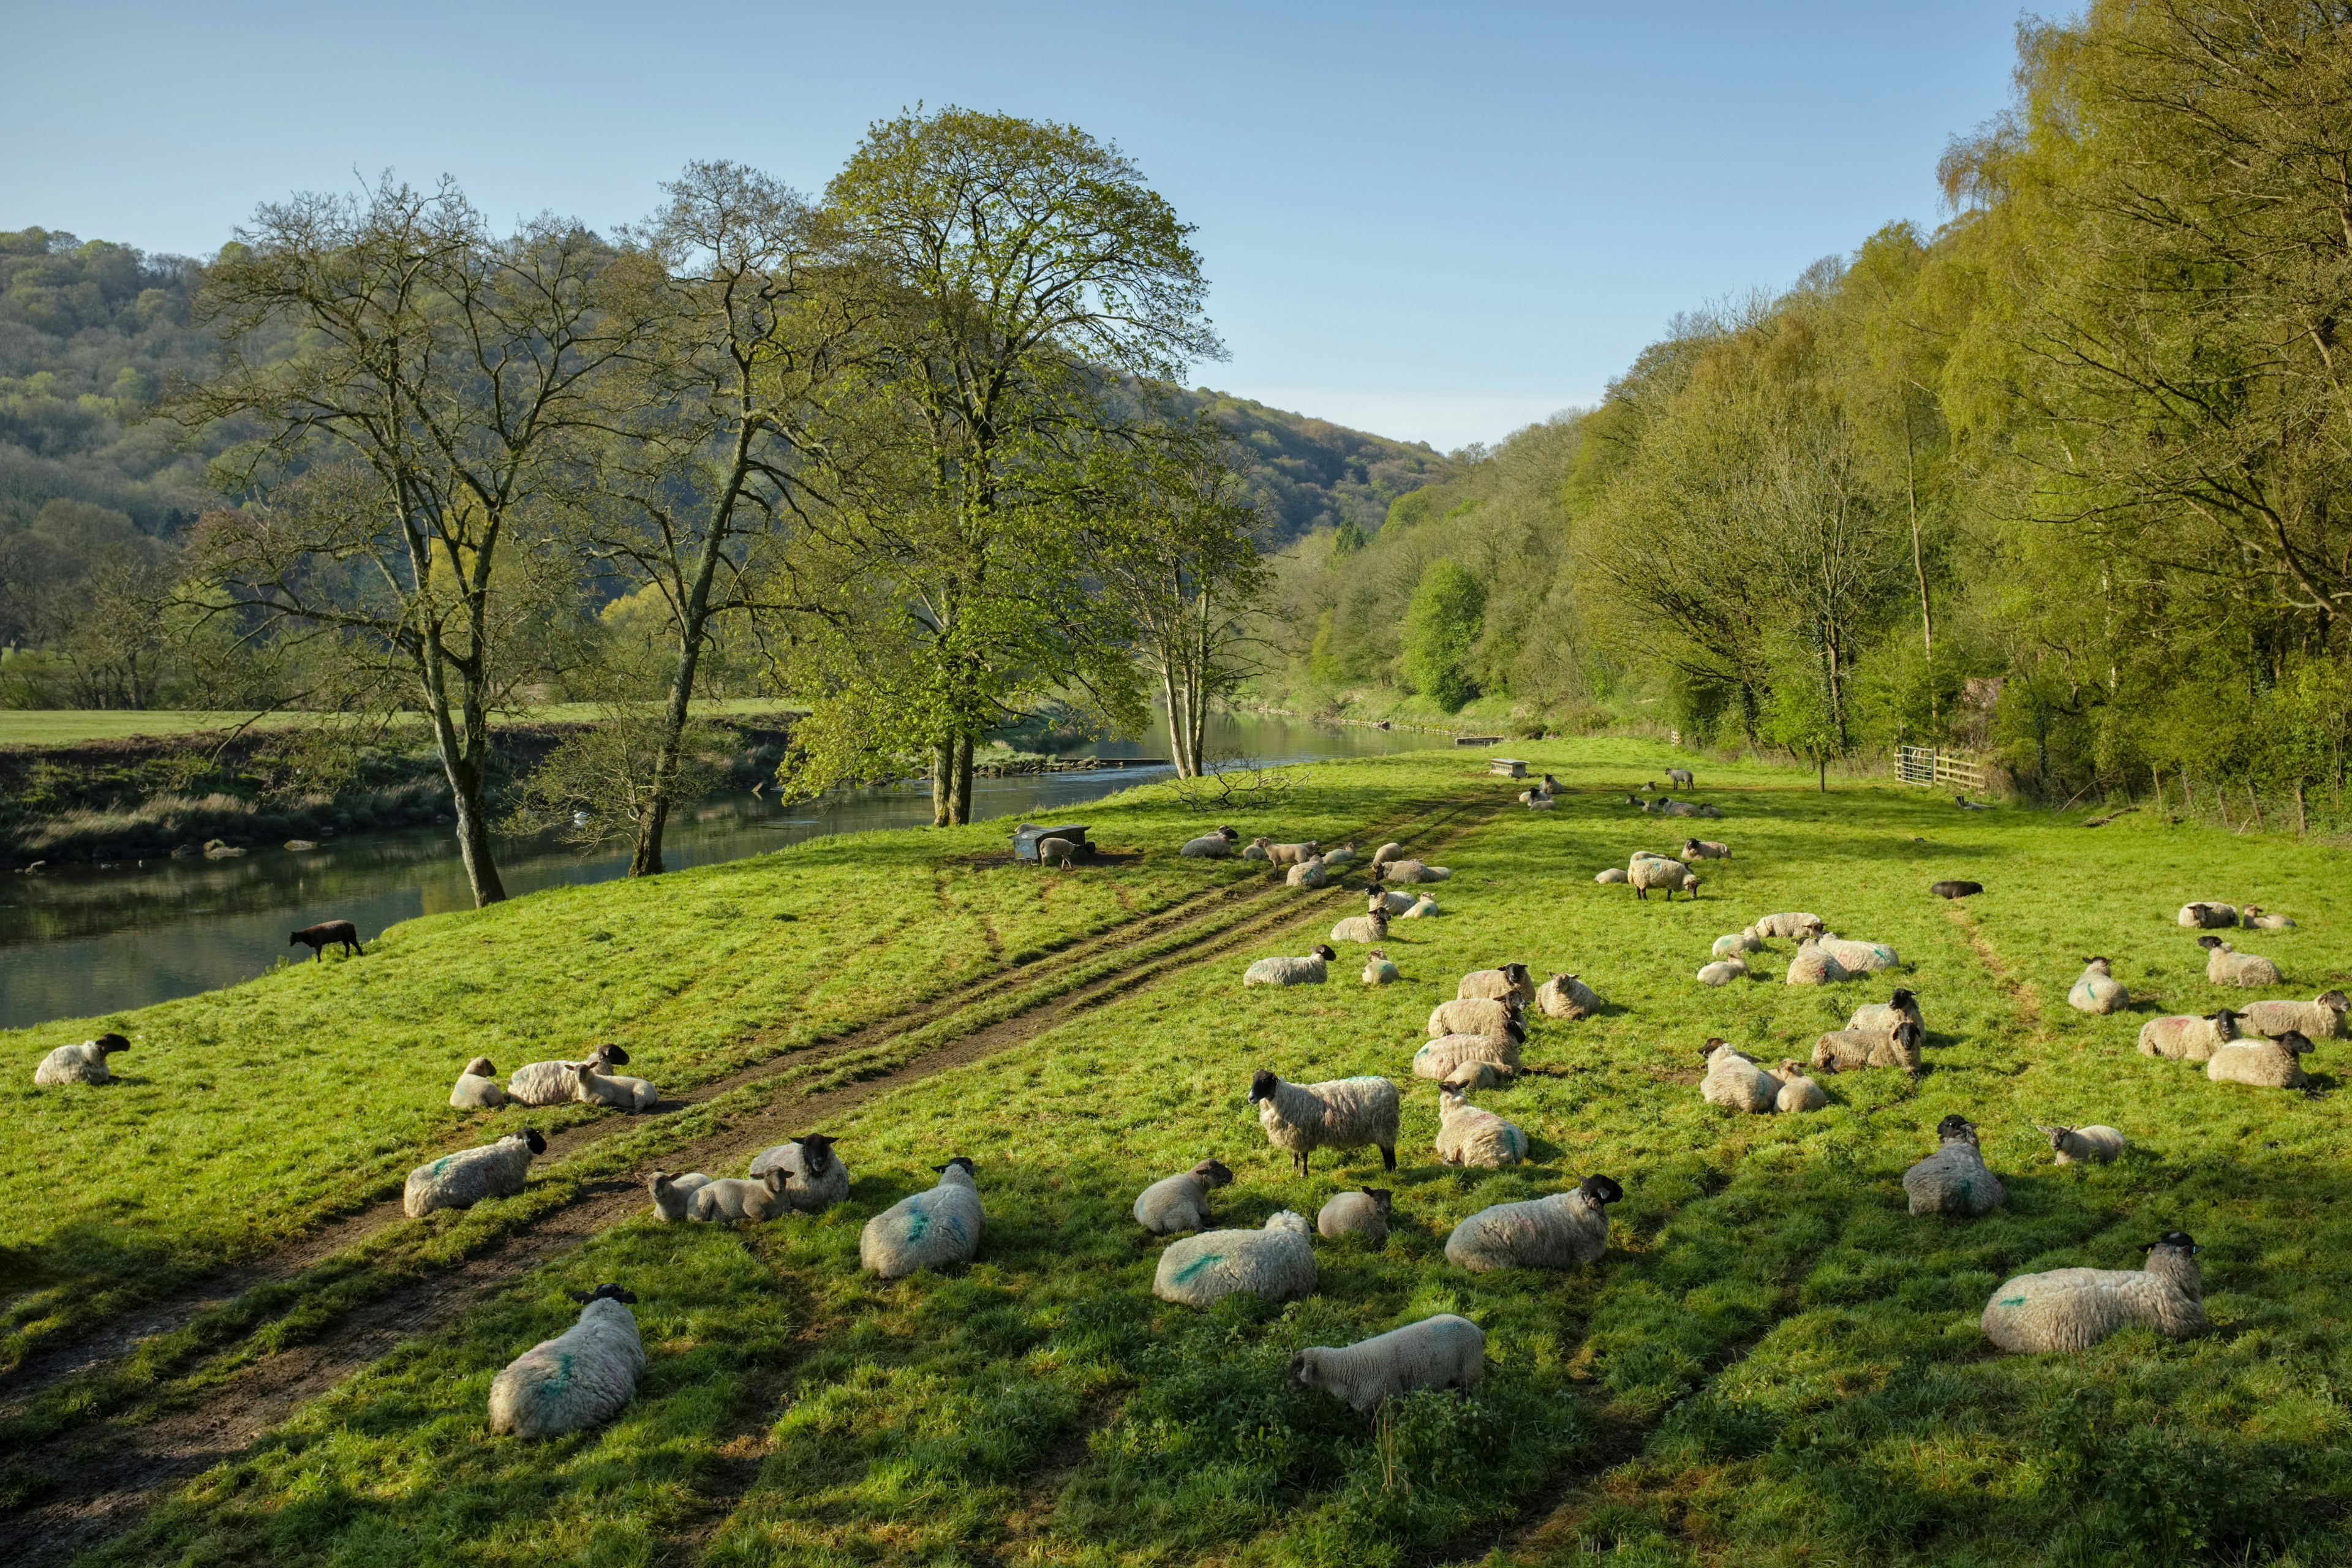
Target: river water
(79, 941)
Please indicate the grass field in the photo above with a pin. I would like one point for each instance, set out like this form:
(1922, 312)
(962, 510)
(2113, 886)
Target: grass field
(70, 726)
(1774, 1364)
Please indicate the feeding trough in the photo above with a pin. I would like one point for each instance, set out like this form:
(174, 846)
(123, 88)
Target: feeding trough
(1508, 767)
(1028, 835)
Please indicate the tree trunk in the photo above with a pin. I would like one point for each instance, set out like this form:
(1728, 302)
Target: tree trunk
(1824, 765)
(963, 780)
(942, 783)
(2301, 822)
(2257, 803)
(2158, 780)
(463, 761)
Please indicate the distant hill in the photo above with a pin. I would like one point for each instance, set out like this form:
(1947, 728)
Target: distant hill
(1309, 473)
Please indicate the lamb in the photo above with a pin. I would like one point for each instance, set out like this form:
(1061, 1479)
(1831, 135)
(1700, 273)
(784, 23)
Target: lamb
(1543, 1232)
(2085, 1145)
(1850, 1050)
(1954, 1180)
(476, 1088)
(558, 1083)
(2097, 990)
(460, 1181)
(1441, 1056)
(1255, 851)
(1180, 1202)
(617, 1090)
(1705, 849)
(1363, 1212)
(1386, 853)
(674, 1196)
(1957, 889)
(1681, 778)
(1798, 1092)
(1738, 944)
(2226, 966)
(2188, 1038)
(1565, 996)
(1373, 927)
(1723, 972)
(1343, 856)
(1535, 801)
(1474, 1015)
(1378, 970)
(729, 1199)
(326, 934)
(1407, 871)
(1734, 1079)
(928, 1229)
(1061, 851)
(2261, 1064)
(1211, 846)
(83, 1063)
(1307, 970)
(1342, 1113)
(1510, 980)
(2255, 920)
(580, 1378)
(1441, 1352)
(1897, 1007)
(1672, 875)
(1859, 957)
(1789, 925)
(815, 1177)
(2075, 1308)
(1291, 854)
(1613, 875)
(1275, 1264)
(1467, 1135)
(2207, 916)
(1469, 1076)
(1308, 873)
(2321, 1018)
(1815, 966)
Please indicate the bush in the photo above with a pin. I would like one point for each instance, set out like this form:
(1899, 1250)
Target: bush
(1448, 612)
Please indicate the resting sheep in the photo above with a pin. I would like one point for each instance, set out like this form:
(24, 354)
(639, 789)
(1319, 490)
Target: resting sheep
(1954, 1180)
(1851, 1050)
(558, 1083)
(2226, 967)
(1738, 945)
(1957, 889)
(1467, 1135)
(476, 1088)
(326, 934)
(2207, 916)
(1442, 1352)
(1469, 1076)
(926, 1230)
(1789, 925)
(1472, 1015)
(1373, 927)
(1386, 853)
(1274, 1264)
(580, 1378)
(1799, 1092)
(1615, 874)
(2093, 1145)
(1364, 1213)
(460, 1181)
(1341, 1113)
(1897, 1007)
(1858, 957)
(1407, 871)
(815, 1177)
(2255, 920)
(1565, 996)
(83, 1063)
(1211, 846)
(2075, 1308)
(1705, 849)
(729, 1199)
(1307, 970)
(616, 1089)
(1343, 856)
(1815, 966)
(1553, 1232)
(674, 1196)
(2188, 1038)
(1495, 985)
(1440, 1058)
(2261, 1064)
(1180, 1202)
(1378, 970)
(1308, 873)
(1723, 972)
(1734, 1079)
(2097, 990)
(2321, 1018)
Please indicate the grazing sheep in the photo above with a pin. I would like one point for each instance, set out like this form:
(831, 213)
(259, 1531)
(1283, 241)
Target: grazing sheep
(1308, 873)
(1815, 966)
(1363, 1212)
(1705, 849)
(2098, 991)
(729, 1199)
(1681, 778)
(2075, 1308)
(815, 1177)
(83, 1063)
(1671, 875)
(1789, 925)
(1954, 1180)
(2321, 1018)
(1734, 1079)
(1851, 1050)
(2255, 920)
(1440, 1058)
(1409, 871)
(617, 1090)
(2187, 1038)
(1061, 851)
(1723, 972)
(1474, 1015)
(1798, 1092)
(1552, 1232)
(580, 1378)
(1957, 889)
(1510, 980)
(1274, 1264)
(929, 1229)
(1386, 853)
(1291, 854)
(2085, 1145)
(1442, 1352)
(1859, 957)
(558, 1083)
(1738, 945)
(1378, 970)
(476, 1088)
(2207, 916)
(1307, 970)
(326, 934)
(1180, 1202)
(460, 1181)
(1901, 1004)
(2224, 965)
(1615, 874)
(1373, 927)
(1467, 1135)
(1470, 1077)
(1341, 1113)
(2261, 1064)
(1211, 846)
(674, 1196)
(1565, 996)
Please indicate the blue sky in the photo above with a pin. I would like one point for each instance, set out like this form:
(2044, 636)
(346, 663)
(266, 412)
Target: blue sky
(1435, 223)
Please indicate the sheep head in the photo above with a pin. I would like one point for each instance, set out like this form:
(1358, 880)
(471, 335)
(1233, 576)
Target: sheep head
(1262, 1085)
(1601, 1190)
(605, 1293)
(532, 1139)
(1213, 1172)
(1955, 1126)
(109, 1043)
(817, 1153)
(1379, 1196)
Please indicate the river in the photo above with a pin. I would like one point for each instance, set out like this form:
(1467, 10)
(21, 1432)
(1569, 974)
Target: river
(79, 941)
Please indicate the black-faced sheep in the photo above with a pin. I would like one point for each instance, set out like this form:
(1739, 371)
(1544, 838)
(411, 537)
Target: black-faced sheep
(326, 934)
(1340, 1113)
(1554, 1232)
(1954, 1180)
(82, 1063)
(583, 1377)
(2226, 967)
(2075, 1308)
(1310, 970)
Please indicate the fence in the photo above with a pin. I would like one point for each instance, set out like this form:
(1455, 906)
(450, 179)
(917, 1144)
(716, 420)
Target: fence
(1927, 765)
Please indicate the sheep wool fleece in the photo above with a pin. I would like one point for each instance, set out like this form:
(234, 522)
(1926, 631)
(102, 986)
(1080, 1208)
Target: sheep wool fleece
(1442, 1352)
(1543, 1232)
(925, 1230)
(464, 1179)
(83, 1063)
(2075, 1308)
(1275, 1264)
(580, 1378)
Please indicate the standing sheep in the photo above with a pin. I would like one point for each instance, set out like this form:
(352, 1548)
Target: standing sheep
(1799, 1092)
(476, 1088)
(2186, 1037)
(1553, 1232)
(1467, 1135)
(1291, 854)
(674, 1196)
(1954, 1180)
(1364, 1213)
(815, 1177)
(927, 1230)
(1565, 996)
(2093, 1145)
(2261, 1064)
(1734, 1079)
(1681, 778)
(1274, 1264)
(2226, 967)
(558, 1083)
(83, 1063)
(1341, 1113)
(1442, 1352)
(1495, 985)
(2098, 991)
(1378, 970)
(1211, 846)
(1180, 1202)
(580, 1378)
(2075, 1308)
(460, 1181)
(2321, 1018)
(1671, 876)
(1307, 970)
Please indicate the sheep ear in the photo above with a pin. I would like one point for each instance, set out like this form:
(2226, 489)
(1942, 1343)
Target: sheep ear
(583, 1297)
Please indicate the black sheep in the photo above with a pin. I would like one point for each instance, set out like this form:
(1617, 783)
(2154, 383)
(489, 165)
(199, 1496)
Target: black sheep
(325, 934)
(1955, 890)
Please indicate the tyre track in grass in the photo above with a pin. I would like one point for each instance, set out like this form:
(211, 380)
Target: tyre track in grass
(97, 1475)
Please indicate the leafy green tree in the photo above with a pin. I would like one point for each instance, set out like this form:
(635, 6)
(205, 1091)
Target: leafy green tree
(1448, 612)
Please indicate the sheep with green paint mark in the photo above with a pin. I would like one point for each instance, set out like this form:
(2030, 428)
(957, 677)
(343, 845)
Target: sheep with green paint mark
(1955, 1179)
(2075, 1308)
(933, 1229)
(580, 1378)
(1275, 1264)
(460, 1181)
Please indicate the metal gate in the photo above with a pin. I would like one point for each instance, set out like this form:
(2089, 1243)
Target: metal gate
(1927, 766)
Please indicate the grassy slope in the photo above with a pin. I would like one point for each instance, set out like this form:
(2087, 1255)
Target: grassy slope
(1774, 1364)
(70, 726)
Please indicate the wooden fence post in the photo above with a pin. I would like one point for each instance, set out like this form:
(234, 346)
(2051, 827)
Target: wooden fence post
(2301, 824)
(2257, 801)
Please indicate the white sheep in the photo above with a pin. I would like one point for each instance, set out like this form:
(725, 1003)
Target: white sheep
(1386, 853)
(2075, 1308)
(1565, 996)
(1411, 871)
(2184, 1038)
(1364, 1211)
(2321, 1018)
(580, 1378)
(1471, 1075)
(728, 1200)
(1275, 1264)
(1535, 801)
(2097, 990)
(83, 1063)
(1954, 1180)
(1798, 1092)
(1255, 851)
(2207, 916)
(1373, 927)
(1851, 1050)
(674, 1196)
(1900, 1006)
(2255, 920)
(1308, 873)
(1343, 856)
(1440, 1058)
(1613, 875)
(1468, 1135)
(1211, 846)
(1671, 876)
(2224, 965)
(1180, 1202)
(1290, 854)
(815, 1177)
(616, 1089)
(1390, 902)
(1722, 972)
(2093, 1145)
(1705, 849)
(476, 1088)
(1858, 957)
(1738, 945)
(1789, 925)
(1552, 1232)
(558, 1083)
(1378, 970)
(1423, 908)
(1815, 966)
(1341, 1113)
(1442, 1352)
(1307, 970)
(1734, 1079)
(464, 1179)
(929, 1229)
(1497, 985)
(1472, 1015)
(2261, 1064)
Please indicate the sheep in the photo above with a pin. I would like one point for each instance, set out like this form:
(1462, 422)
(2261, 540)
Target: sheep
(1850, 1050)
(2255, 920)
(1705, 849)
(1440, 1056)
(1681, 778)
(1471, 1075)
(1789, 925)
(674, 1196)
(1543, 1232)
(2207, 916)
(2075, 1308)
(1440, 1352)
(1734, 1079)
(729, 1199)
(558, 1083)
(326, 934)
(928, 1229)
(1954, 1180)
(1474, 1015)
(2097, 990)
(1343, 856)
(1672, 875)
(1255, 851)
(1307, 970)
(1363, 1212)
(1308, 873)
(1291, 854)
(1686, 808)
(1423, 908)
(1378, 970)
(1815, 966)
(2226, 966)
(1409, 871)
(1386, 853)
(1180, 1202)
(1722, 972)
(1467, 1135)
(1798, 1092)
(617, 1090)
(476, 1088)
(2187, 1038)
(580, 1378)
(2261, 1064)
(1957, 889)
(83, 1063)
(1275, 1263)
(815, 1177)
(1612, 876)
(1535, 801)
(1211, 846)
(1965, 803)
(1510, 980)
(1373, 927)
(1553, 786)
(1899, 1006)
(460, 1181)
(2321, 1018)
(1859, 957)
(1061, 851)
(1738, 944)
(1341, 1113)
(2093, 1145)
(1565, 996)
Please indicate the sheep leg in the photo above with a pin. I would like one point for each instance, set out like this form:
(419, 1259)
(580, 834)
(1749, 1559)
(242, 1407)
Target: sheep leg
(1388, 1156)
